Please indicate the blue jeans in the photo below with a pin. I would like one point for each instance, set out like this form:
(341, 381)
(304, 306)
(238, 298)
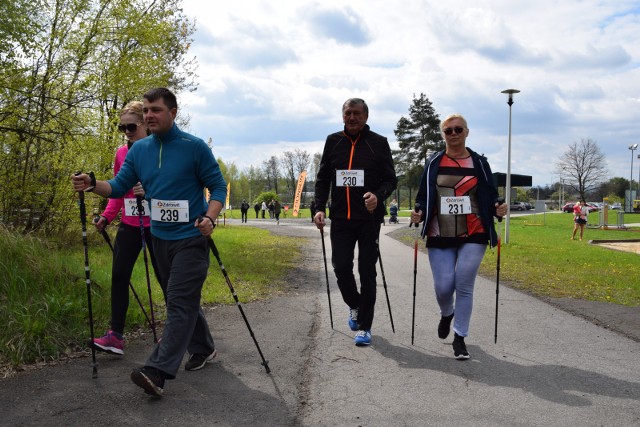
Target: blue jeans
(454, 271)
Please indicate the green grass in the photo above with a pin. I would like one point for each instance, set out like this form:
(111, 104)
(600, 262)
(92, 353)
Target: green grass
(43, 292)
(544, 261)
(236, 214)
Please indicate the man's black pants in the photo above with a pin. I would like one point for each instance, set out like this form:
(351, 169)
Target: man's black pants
(344, 235)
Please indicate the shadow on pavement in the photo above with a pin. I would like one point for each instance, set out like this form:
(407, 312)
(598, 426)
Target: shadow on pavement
(555, 383)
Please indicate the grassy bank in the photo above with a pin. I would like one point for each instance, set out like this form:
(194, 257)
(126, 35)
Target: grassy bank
(43, 293)
(542, 259)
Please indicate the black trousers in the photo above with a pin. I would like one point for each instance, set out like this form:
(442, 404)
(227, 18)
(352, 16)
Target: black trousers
(126, 249)
(344, 236)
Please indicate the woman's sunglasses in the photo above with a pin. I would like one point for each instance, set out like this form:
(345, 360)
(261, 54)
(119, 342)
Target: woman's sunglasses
(131, 127)
(449, 131)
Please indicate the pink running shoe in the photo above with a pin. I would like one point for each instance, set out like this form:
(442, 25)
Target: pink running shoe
(110, 343)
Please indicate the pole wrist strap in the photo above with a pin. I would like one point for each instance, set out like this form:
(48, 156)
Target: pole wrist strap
(213, 224)
(92, 186)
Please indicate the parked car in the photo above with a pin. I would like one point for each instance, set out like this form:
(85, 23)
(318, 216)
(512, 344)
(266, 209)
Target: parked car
(615, 206)
(518, 206)
(569, 207)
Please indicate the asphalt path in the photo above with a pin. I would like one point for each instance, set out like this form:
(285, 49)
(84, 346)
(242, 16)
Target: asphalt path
(548, 367)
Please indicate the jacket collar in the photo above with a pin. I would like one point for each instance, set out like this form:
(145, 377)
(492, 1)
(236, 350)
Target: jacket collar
(363, 132)
(169, 135)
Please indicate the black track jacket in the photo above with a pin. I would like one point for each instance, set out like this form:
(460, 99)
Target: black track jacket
(372, 154)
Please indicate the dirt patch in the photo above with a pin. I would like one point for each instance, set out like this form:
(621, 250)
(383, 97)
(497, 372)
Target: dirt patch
(619, 245)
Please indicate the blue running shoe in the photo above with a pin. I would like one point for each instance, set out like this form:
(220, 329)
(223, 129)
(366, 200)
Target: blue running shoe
(363, 338)
(353, 319)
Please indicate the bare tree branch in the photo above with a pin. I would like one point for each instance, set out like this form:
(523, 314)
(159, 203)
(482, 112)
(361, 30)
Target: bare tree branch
(582, 166)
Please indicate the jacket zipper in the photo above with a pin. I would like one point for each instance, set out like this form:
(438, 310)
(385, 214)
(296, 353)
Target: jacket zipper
(353, 146)
(160, 154)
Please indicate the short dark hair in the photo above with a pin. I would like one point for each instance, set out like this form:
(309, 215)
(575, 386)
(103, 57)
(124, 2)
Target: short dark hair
(355, 101)
(161, 92)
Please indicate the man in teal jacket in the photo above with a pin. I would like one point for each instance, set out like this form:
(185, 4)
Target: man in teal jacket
(174, 168)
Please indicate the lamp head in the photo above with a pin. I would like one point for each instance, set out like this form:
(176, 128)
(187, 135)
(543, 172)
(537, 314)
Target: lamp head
(510, 93)
(633, 147)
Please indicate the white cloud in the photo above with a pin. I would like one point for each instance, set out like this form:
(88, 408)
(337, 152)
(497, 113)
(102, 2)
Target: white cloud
(273, 75)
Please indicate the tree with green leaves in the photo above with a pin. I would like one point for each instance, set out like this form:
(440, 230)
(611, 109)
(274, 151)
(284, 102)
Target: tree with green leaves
(614, 188)
(266, 197)
(417, 135)
(66, 69)
(271, 170)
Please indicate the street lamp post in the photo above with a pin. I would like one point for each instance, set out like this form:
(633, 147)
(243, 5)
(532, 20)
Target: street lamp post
(638, 183)
(560, 193)
(632, 147)
(509, 93)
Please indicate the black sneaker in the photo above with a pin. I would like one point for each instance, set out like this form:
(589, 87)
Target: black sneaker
(444, 326)
(198, 360)
(459, 348)
(150, 379)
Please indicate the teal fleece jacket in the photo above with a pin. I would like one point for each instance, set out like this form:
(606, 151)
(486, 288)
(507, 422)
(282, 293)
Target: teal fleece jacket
(172, 166)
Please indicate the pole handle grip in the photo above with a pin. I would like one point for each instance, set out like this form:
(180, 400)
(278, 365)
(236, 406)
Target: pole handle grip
(500, 201)
(416, 209)
(212, 245)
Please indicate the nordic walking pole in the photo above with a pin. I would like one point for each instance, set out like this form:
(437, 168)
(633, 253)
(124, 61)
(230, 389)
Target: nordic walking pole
(495, 336)
(415, 274)
(384, 280)
(83, 221)
(107, 239)
(216, 254)
(326, 274)
(146, 266)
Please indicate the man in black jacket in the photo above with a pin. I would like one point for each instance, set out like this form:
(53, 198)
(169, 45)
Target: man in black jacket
(244, 208)
(357, 171)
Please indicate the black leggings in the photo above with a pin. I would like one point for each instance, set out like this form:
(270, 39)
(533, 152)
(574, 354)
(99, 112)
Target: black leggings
(126, 249)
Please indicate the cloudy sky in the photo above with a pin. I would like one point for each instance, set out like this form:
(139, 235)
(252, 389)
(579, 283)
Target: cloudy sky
(274, 74)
